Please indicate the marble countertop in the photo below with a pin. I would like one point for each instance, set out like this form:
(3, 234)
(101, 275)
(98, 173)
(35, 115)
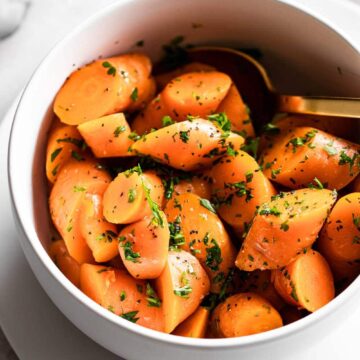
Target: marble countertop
(45, 23)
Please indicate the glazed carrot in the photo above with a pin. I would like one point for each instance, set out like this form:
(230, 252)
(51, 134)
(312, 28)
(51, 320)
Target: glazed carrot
(100, 235)
(163, 79)
(284, 228)
(307, 282)
(107, 136)
(239, 187)
(237, 112)
(127, 198)
(187, 145)
(63, 141)
(260, 282)
(302, 155)
(197, 94)
(197, 229)
(68, 266)
(75, 179)
(194, 326)
(181, 287)
(195, 185)
(244, 314)
(103, 87)
(115, 290)
(144, 246)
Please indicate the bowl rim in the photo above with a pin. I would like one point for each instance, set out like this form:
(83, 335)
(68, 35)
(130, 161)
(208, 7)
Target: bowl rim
(30, 236)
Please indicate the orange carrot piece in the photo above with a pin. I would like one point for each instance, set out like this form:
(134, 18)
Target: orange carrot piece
(196, 185)
(284, 228)
(305, 154)
(163, 79)
(237, 112)
(100, 235)
(115, 290)
(144, 245)
(356, 184)
(181, 287)
(202, 233)
(187, 145)
(244, 314)
(239, 187)
(126, 199)
(107, 136)
(76, 178)
(307, 282)
(68, 266)
(194, 326)
(63, 142)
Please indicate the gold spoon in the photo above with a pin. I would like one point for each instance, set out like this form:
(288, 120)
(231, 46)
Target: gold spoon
(259, 93)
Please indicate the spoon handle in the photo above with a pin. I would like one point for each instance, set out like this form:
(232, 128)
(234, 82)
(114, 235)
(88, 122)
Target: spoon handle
(316, 105)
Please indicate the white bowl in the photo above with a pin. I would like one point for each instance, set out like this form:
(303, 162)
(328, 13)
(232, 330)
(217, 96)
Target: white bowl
(297, 47)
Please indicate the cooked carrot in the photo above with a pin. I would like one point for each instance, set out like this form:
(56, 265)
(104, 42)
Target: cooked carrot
(239, 187)
(144, 245)
(237, 112)
(163, 79)
(187, 145)
(194, 326)
(244, 314)
(181, 287)
(151, 117)
(107, 136)
(115, 290)
(63, 141)
(284, 228)
(68, 266)
(260, 282)
(127, 198)
(75, 179)
(307, 282)
(196, 94)
(305, 154)
(344, 271)
(100, 235)
(195, 185)
(197, 229)
(103, 87)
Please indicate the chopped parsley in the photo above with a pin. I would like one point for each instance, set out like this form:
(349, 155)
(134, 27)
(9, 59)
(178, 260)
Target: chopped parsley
(271, 129)
(111, 68)
(76, 155)
(152, 299)
(222, 121)
(284, 226)
(167, 120)
(270, 211)
(213, 256)
(122, 295)
(184, 136)
(55, 153)
(77, 142)
(176, 236)
(185, 289)
(130, 316)
(129, 254)
(77, 188)
(135, 94)
(119, 130)
(131, 195)
(134, 136)
(155, 209)
(207, 204)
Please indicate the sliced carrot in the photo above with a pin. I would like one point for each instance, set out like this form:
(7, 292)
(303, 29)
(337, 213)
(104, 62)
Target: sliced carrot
(307, 282)
(63, 141)
(197, 94)
(181, 287)
(239, 187)
(356, 184)
(194, 326)
(163, 79)
(284, 228)
(237, 112)
(76, 178)
(127, 198)
(115, 290)
(197, 229)
(305, 154)
(187, 145)
(196, 185)
(260, 282)
(107, 136)
(244, 314)
(68, 266)
(144, 246)
(100, 235)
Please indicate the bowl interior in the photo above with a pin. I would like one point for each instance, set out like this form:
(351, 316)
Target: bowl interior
(302, 54)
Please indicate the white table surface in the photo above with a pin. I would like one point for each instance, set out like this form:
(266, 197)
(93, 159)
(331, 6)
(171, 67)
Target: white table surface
(46, 22)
